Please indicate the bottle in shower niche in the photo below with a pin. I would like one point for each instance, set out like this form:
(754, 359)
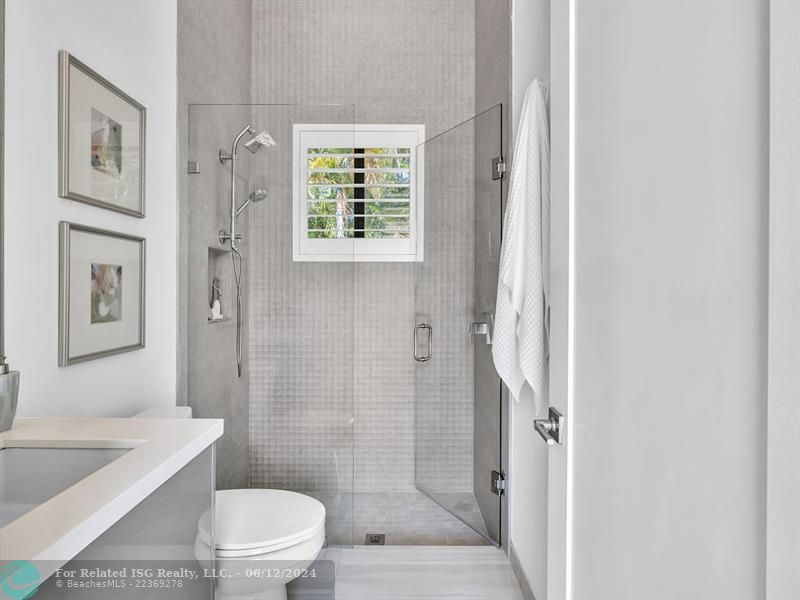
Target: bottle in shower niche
(9, 390)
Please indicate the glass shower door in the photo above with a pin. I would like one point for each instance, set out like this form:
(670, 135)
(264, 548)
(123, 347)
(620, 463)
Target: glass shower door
(457, 391)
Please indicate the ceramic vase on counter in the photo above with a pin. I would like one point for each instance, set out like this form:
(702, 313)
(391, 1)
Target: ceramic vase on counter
(9, 391)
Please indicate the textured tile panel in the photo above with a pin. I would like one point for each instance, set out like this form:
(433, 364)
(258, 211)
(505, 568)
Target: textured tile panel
(332, 377)
(210, 69)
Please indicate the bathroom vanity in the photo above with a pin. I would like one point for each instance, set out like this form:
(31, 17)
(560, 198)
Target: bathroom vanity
(88, 489)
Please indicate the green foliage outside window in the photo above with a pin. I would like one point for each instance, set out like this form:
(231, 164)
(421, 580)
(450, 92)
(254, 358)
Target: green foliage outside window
(386, 203)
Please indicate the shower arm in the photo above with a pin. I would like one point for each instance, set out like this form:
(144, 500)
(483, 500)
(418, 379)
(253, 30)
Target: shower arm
(231, 234)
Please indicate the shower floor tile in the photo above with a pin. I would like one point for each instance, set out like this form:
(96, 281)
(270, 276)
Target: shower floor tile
(405, 517)
(423, 573)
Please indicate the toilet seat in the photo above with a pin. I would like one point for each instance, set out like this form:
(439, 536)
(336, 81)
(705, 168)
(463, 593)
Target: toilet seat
(273, 550)
(251, 522)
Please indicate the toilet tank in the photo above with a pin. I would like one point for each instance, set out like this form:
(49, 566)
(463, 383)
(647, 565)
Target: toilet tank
(165, 412)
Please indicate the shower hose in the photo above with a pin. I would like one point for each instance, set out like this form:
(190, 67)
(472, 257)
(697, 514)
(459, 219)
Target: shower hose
(238, 275)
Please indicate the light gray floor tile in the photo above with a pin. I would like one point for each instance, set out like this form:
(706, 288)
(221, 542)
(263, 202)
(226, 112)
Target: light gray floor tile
(425, 573)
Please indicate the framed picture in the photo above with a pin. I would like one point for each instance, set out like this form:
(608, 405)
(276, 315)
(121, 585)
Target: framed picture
(101, 140)
(101, 293)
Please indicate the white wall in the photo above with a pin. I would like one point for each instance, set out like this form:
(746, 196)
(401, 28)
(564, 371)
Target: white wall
(133, 44)
(530, 49)
(671, 201)
(783, 450)
(530, 59)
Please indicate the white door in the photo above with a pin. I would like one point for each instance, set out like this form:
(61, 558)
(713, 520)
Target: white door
(783, 446)
(659, 357)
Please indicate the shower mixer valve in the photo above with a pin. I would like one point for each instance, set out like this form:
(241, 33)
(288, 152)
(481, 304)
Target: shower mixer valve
(225, 237)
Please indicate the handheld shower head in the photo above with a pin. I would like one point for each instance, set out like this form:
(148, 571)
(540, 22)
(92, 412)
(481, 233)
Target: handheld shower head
(262, 139)
(255, 196)
(258, 195)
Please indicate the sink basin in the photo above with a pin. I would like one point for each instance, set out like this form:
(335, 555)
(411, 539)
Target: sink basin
(31, 476)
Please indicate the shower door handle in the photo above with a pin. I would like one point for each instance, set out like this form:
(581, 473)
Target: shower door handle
(417, 328)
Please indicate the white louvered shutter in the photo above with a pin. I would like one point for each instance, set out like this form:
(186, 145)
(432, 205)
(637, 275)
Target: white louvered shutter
(358, 192)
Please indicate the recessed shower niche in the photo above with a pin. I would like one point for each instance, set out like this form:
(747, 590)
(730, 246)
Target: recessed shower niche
(219, 286)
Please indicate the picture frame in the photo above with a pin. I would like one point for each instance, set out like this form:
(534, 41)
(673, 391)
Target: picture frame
(102, 133)
(101, 293)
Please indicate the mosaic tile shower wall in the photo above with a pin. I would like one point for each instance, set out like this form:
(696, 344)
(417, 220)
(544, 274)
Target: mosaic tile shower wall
(207, 378)
(332, 378)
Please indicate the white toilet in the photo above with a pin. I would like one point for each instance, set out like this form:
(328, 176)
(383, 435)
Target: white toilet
(263, 538)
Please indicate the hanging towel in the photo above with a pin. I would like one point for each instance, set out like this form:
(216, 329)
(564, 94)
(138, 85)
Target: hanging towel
(521, 321)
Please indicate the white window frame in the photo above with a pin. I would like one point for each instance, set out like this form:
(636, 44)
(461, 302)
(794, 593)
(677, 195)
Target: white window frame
(357, 249)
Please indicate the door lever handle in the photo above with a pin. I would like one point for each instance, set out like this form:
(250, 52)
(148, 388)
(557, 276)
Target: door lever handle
(551, 429)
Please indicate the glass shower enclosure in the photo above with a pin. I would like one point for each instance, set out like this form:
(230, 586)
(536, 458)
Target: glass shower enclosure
(457, 391)
(344, 396)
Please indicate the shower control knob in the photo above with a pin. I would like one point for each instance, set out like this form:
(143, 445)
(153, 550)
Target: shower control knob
(225, 237)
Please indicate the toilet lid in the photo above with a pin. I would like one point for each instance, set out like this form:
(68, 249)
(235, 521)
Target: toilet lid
(250, 519)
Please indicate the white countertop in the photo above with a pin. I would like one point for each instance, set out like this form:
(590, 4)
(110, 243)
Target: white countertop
(59, 529)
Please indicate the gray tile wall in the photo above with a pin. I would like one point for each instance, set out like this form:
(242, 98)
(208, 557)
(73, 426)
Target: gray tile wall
(301, 341)
(329, 398)
(492, 87)
(487, 388)
(332, 394)
(213, 66)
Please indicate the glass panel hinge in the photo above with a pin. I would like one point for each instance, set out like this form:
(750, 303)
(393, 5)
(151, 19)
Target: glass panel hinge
(498, 168)
(498, 483)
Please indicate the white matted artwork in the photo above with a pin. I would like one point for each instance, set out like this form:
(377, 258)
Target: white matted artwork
(101, 140)
(101, 293)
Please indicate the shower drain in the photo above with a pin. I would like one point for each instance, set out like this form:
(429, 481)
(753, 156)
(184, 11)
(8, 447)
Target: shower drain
(375, 539)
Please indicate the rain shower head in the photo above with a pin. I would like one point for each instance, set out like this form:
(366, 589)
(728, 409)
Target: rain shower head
(262, 139)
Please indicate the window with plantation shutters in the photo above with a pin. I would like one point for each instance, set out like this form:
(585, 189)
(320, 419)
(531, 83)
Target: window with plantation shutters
(358, 193)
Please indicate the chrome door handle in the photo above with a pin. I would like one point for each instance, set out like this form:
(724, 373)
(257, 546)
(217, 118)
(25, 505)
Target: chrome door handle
(551, 429)
(429, 354)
